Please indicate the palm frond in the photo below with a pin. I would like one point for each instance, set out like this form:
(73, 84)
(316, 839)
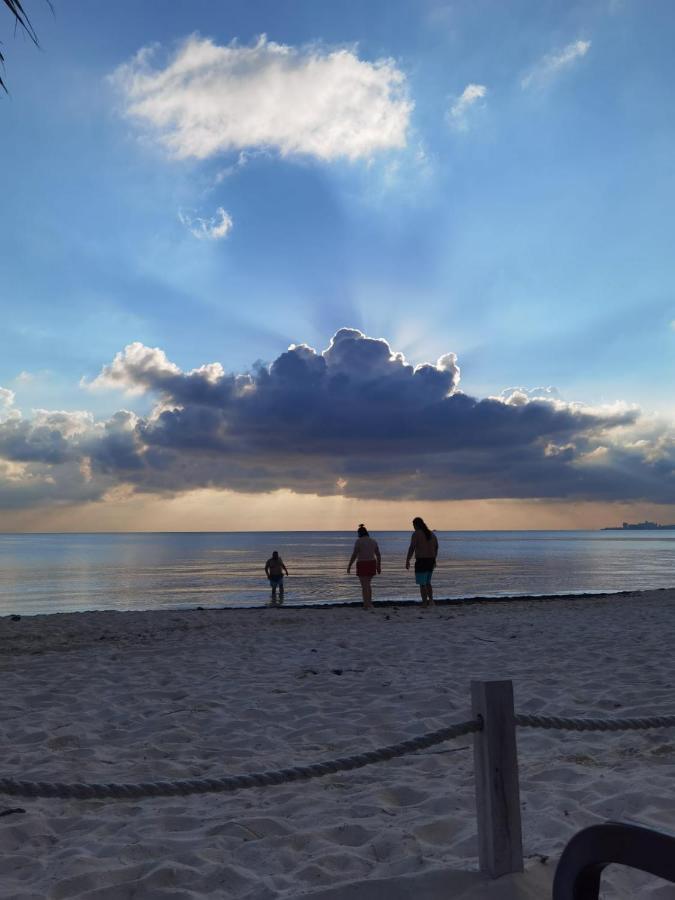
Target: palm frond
(21, 20)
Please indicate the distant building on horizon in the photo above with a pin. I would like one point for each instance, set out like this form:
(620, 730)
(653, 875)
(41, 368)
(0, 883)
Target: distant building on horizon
(640, 526)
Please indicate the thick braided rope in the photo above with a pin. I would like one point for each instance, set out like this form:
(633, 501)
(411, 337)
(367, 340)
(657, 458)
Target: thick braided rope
(230, 783)
(527, 721)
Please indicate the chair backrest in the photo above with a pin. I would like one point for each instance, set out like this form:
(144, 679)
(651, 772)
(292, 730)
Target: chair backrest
(577, 876)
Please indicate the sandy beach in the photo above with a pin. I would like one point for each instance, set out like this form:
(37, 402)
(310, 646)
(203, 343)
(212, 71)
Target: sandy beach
(131, 696)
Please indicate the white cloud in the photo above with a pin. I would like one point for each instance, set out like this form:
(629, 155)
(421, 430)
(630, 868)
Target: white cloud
(448, 363)
(14, 471)
(67, 423)
(520, 396)
(212, 373)
(6, 397)
(214, 229)
(132, 368)
(138, 369)
(7, 409)
(244, 158)
(552, 63)
(211, 99)
(457, 114)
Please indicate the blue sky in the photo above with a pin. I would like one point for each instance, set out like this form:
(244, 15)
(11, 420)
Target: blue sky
(519, 216)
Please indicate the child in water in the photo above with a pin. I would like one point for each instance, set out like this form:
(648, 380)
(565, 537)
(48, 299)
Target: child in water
(274, 569)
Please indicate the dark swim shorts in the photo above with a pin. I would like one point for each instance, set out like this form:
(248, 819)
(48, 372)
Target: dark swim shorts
(366, 568)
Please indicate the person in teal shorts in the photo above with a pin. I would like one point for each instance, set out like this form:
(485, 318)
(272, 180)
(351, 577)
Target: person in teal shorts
(424, 547)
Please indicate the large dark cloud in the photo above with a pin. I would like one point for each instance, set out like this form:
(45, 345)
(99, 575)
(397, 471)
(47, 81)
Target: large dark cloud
(21, 441)
(356, 419)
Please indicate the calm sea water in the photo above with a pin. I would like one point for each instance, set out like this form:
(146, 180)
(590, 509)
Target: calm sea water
(66, 572)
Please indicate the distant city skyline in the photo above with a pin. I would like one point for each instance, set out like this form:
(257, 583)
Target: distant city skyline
(297, 265)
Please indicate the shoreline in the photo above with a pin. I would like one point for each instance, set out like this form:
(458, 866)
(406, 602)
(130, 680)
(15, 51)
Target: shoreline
(440, 602)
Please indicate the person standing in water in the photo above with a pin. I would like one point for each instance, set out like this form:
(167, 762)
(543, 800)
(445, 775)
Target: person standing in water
(424, 547)
(274, 569)
(368, 562)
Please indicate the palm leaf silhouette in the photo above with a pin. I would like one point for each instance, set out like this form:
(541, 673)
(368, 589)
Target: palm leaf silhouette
(21, 20)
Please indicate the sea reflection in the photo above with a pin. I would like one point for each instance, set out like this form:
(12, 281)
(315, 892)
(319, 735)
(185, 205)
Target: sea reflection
(49, 573)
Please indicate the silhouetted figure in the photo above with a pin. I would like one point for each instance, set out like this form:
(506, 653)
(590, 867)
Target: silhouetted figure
(424, 546)
(274, 569)
(368, 562)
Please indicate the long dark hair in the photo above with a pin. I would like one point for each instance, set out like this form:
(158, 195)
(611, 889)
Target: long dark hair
(362, 531)
(421, 524)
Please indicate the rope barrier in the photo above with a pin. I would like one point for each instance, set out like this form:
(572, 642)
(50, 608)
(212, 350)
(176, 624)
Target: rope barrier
(229, 783)
(532, 721)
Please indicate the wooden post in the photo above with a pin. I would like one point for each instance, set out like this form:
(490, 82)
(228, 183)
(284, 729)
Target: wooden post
(500, 842)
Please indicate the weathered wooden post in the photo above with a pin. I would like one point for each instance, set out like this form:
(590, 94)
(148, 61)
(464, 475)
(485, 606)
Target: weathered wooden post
(500, 842)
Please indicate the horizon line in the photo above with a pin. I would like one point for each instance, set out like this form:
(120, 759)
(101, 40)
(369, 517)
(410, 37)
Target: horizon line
(318, 531)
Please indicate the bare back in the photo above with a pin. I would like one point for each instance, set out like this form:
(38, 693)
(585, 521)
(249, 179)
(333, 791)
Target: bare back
(366, 548)
(424, 547)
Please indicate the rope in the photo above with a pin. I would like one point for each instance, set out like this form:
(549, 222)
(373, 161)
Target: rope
(229, 783)
(528, 721)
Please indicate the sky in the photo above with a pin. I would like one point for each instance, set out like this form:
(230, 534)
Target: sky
(271, 265)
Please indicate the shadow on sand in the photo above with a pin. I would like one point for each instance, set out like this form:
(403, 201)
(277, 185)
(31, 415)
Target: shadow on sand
(533, 884)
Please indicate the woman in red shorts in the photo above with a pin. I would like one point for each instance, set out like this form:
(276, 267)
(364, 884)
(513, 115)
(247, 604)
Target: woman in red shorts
(368, 562)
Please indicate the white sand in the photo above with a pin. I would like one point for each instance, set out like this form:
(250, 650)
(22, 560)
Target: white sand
(131, 696)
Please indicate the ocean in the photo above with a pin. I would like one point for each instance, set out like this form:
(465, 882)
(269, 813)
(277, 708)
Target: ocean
(46, 573)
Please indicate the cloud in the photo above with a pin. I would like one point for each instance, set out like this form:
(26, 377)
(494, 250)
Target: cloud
(68, 424)
(553, 63)
(355, 419)
(133, 369)
(519, 396)
(210, 99)
(6, 404)
(458, 112)
(37, 442)
(242, 160)
(213, 229)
